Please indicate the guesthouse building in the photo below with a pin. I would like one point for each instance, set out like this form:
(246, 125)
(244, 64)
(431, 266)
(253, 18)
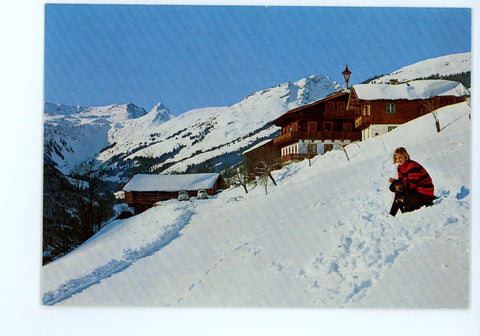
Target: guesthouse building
(316, 128)
(379, 108)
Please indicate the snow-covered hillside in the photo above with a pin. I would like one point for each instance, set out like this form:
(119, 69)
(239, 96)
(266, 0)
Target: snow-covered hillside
(190, 138)
(320, 238)
(443, 66)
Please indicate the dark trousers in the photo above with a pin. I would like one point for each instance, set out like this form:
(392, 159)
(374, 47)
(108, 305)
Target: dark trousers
(410, 200)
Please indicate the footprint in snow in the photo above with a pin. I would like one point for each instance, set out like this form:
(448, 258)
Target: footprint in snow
(443, 194)
(464, 192)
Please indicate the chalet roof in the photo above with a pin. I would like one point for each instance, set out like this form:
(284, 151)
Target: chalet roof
(317, 102)
(419, 89)
(169, 183)
(258, 145)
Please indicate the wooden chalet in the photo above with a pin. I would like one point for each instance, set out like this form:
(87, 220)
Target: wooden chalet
(379, 108)
(263, 154)
(144, 190)
(316, 128)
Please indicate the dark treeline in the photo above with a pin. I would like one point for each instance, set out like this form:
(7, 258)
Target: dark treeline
(73, 209)
(464, 78)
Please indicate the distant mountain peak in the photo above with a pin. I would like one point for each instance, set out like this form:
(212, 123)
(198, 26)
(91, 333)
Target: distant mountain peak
(62, 109)
(160, 106)
(116, 112)
(160, 113)
(134, 111)
(125, 111)
(308, 87)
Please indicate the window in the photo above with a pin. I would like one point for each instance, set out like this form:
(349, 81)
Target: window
(390, 108)
(312, 148)
(330, 106)
(347, 127)
(327, 147)
(366, 110)
(390, 128)
(341, 106)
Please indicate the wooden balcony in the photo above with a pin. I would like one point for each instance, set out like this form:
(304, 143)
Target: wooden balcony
(362, 122)
(339, 114)
(292, 137)
(299, 157)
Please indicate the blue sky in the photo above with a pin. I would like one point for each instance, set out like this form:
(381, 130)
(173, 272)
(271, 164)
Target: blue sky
(202, 56)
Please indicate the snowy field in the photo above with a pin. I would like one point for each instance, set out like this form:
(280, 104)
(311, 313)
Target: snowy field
(321, 238)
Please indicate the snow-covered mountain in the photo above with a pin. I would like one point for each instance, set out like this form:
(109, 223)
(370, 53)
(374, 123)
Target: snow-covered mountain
(442, 66)
(116, 134)
(119, 135)
(320, 238)
(74, 134)
(113, 113)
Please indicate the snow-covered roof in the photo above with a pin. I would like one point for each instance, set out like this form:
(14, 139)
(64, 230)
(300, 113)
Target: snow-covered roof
(260, 144)
(419, 89)
(162, 182)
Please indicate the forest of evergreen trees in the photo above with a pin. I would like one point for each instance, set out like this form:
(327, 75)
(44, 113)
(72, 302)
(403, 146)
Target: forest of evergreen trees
(74, 209)
(464, 78)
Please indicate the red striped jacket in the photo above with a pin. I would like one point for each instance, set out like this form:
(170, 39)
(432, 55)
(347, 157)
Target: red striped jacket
(414, 176)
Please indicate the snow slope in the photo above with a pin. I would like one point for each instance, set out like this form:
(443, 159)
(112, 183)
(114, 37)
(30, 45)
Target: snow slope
(444, 65)
(320, 238)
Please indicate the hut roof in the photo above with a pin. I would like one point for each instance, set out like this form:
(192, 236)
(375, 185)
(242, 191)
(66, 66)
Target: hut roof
(258, 145)
(169, 183)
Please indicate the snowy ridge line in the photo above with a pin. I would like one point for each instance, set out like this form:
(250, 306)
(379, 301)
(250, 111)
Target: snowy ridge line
(77, 285)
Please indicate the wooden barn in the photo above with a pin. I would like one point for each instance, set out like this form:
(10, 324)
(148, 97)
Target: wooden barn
(265, 153)
(144, 190)
(379, 108)
(316, 128)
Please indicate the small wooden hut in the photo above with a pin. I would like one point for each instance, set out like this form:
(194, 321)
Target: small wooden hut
(144, 190)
